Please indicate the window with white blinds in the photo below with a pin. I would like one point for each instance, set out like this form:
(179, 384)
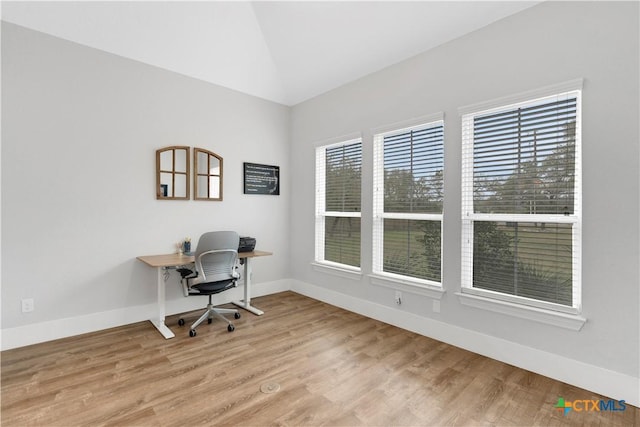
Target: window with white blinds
(338, 193)
(408, 196)
(521, 202)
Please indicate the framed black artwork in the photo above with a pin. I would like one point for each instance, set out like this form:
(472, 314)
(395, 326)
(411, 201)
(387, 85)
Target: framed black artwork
(261, 179)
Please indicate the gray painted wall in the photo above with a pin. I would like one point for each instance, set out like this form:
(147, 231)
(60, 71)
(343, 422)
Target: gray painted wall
(79, 132)
(548, 44)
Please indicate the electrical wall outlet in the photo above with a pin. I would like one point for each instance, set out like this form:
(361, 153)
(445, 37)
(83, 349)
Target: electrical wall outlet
(27, 305)
(398, 297)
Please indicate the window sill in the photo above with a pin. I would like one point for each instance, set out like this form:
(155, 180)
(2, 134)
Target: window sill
(554, 318)
(336, 270)
(408, 286)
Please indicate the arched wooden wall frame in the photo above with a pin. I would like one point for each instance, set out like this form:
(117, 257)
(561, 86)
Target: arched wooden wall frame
(207, 175)
(173, 173)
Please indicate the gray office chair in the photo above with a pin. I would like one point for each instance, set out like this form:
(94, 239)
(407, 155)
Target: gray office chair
(215, 261)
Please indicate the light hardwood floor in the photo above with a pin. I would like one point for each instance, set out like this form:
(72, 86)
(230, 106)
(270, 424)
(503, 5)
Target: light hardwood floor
(333, 368)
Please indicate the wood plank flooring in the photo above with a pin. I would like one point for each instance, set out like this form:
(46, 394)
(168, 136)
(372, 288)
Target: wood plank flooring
(333, 368)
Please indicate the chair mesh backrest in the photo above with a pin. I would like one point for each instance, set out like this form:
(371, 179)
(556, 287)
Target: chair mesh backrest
(219, 264)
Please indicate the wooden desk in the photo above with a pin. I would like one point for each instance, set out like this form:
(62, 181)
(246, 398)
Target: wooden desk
(167, 261)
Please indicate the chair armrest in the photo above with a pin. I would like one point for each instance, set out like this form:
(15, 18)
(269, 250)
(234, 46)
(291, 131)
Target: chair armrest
(187, 273)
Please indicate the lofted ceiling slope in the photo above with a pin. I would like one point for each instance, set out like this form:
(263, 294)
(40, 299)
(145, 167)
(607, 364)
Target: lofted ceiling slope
(286, 52)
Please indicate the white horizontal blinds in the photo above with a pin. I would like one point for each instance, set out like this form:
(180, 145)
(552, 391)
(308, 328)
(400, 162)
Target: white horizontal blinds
(524, 159)
(408, 202)
(342, 240)
(343, 178)
(412, 248)
(520, 201)
(342, 200)
(526, 259)
(413, 166)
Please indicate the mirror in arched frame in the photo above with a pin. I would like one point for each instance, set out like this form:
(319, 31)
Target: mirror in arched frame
(172, 173)
(207, 178)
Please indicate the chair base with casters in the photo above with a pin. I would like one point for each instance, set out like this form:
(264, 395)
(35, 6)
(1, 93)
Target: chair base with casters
(210, 289)
(209, 315)
(215, 271)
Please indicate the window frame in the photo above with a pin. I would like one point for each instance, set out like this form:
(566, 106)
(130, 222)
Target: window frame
(321, 214)
(379, 276)
(482, 297)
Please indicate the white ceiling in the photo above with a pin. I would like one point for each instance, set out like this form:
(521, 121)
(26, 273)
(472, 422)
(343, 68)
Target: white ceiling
(285, 52)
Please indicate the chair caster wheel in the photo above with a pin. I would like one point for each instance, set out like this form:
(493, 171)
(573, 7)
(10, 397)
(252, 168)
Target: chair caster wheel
(180, 322)
(192, 333)
(209, 321)
(237, 315)
(231, 328)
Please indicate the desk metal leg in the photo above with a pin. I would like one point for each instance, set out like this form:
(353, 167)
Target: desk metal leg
(159, 321)
(246, 304)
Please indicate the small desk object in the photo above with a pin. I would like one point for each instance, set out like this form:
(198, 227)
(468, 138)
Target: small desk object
(168, 261)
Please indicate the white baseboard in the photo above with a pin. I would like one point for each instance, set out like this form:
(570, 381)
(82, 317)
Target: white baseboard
(594, 378)
(599, 380)
(35, 333)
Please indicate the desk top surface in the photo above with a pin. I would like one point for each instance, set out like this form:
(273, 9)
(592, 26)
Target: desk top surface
(172, 260)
